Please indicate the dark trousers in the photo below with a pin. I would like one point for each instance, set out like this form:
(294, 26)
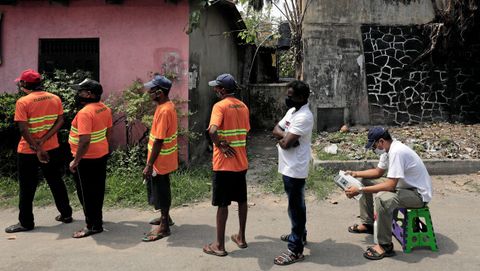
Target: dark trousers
(297, 211)
(90, 182)
(28, 176)
(158, 192)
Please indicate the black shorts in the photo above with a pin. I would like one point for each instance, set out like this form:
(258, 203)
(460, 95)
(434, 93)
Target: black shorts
(158, 191)
(228, 186)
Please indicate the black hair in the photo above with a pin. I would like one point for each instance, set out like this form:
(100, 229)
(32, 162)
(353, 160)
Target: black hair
(300, 89)
(33, 86)
(228, 90)
(386, 135)
(165, 91)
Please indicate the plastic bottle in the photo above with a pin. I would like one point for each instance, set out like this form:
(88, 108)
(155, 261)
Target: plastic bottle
(375, 229)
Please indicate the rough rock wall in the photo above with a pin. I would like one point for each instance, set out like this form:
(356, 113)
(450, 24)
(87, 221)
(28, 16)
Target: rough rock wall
(401, 93)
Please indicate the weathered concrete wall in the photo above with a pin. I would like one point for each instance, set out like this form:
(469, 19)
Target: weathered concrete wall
(334, 61)
(267, 104)
(211, 53)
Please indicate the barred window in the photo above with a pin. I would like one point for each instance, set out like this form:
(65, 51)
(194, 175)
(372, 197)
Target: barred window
(69, 55)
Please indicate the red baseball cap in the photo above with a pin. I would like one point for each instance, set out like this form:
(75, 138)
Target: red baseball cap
(29, 76)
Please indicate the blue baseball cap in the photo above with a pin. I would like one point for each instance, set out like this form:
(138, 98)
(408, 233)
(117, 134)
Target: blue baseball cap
(224, 80)
(159, 81)
(374, 134)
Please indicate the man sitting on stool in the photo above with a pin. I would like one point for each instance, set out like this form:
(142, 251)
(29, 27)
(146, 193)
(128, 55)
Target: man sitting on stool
(408, 185)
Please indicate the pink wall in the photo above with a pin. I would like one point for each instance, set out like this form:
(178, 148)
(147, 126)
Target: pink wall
(136, 38)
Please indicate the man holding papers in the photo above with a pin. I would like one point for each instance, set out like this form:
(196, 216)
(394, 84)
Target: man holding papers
(408, 185)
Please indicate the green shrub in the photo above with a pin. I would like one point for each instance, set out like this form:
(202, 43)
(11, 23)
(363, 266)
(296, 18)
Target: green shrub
(9, 134)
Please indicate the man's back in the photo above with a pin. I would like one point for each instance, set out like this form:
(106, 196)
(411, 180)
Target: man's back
(409, 168)
(231, 116)
(40, 110)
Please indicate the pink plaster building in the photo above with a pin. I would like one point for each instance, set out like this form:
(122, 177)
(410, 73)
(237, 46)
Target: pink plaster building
(120, 41)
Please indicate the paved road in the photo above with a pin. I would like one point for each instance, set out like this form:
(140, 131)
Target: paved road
(455, 214)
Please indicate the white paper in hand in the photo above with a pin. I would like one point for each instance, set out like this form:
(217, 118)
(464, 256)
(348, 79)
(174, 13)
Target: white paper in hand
(344, 181)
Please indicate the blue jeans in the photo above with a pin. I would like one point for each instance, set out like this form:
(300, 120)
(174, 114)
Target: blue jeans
(297, 211)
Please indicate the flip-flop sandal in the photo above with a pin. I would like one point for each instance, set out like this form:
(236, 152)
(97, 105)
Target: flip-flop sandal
(354, 229)
(287, 258)
(372, 254)
(85, 232)
(156, 221)
(285, 238)
(63, 219)
(235, 240)
(17, 228)
(156, 237)
(210, 251)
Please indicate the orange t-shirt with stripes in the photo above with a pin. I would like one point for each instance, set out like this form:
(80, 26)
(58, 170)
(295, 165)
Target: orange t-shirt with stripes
(164, 126)
(232, 118)
(40, 109)
(93, 119)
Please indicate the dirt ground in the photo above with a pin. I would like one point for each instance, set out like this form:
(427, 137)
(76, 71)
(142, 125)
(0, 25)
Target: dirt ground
(50, 246)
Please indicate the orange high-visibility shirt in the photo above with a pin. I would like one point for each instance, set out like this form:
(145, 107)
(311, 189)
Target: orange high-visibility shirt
(40, 110)
(231, 116)
(93, 119)
(164, 126)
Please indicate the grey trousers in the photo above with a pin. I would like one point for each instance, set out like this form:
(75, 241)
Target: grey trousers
(384, 205)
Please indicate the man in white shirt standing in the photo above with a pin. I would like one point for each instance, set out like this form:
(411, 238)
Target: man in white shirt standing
(408, 185)
(294, 134)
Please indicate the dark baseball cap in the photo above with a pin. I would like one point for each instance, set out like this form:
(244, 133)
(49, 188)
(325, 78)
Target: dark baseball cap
(374, 134)
(224, 80)
(91, 85)
(159, 81)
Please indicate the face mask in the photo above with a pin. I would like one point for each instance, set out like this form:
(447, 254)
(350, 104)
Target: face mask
(379, 151)
(219, 95)
(21, 89)
(81, 101)
(290, 103)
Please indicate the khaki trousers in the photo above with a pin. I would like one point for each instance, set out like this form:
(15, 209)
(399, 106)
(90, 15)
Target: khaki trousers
(384, 205)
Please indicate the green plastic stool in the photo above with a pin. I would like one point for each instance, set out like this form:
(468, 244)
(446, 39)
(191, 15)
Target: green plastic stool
(411, 231)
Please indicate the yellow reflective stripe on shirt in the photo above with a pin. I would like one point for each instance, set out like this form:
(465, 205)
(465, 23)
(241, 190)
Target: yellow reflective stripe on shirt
(73, 140)
(165, 151)
(96, 136)
(43, 118)
(42, 128)
(238, 143)
(165, 140)
(168, 151)
(233, 132)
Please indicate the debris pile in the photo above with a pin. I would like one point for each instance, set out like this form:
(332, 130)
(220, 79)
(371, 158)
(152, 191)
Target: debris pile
(430, 141)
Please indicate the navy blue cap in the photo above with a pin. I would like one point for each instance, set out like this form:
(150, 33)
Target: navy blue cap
(89, 84)
(374, 134)
(224, 80)
(159, 81)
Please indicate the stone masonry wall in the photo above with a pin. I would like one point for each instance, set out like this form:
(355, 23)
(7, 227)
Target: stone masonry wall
(401, 93)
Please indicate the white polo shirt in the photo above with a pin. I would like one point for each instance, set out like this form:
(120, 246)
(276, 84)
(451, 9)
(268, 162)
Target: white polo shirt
(294, 161)
(403, 163)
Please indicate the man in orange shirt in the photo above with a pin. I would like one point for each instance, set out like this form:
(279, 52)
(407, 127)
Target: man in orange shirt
(39, 115)
(162, 156)
(88, 139)
(229, 125)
